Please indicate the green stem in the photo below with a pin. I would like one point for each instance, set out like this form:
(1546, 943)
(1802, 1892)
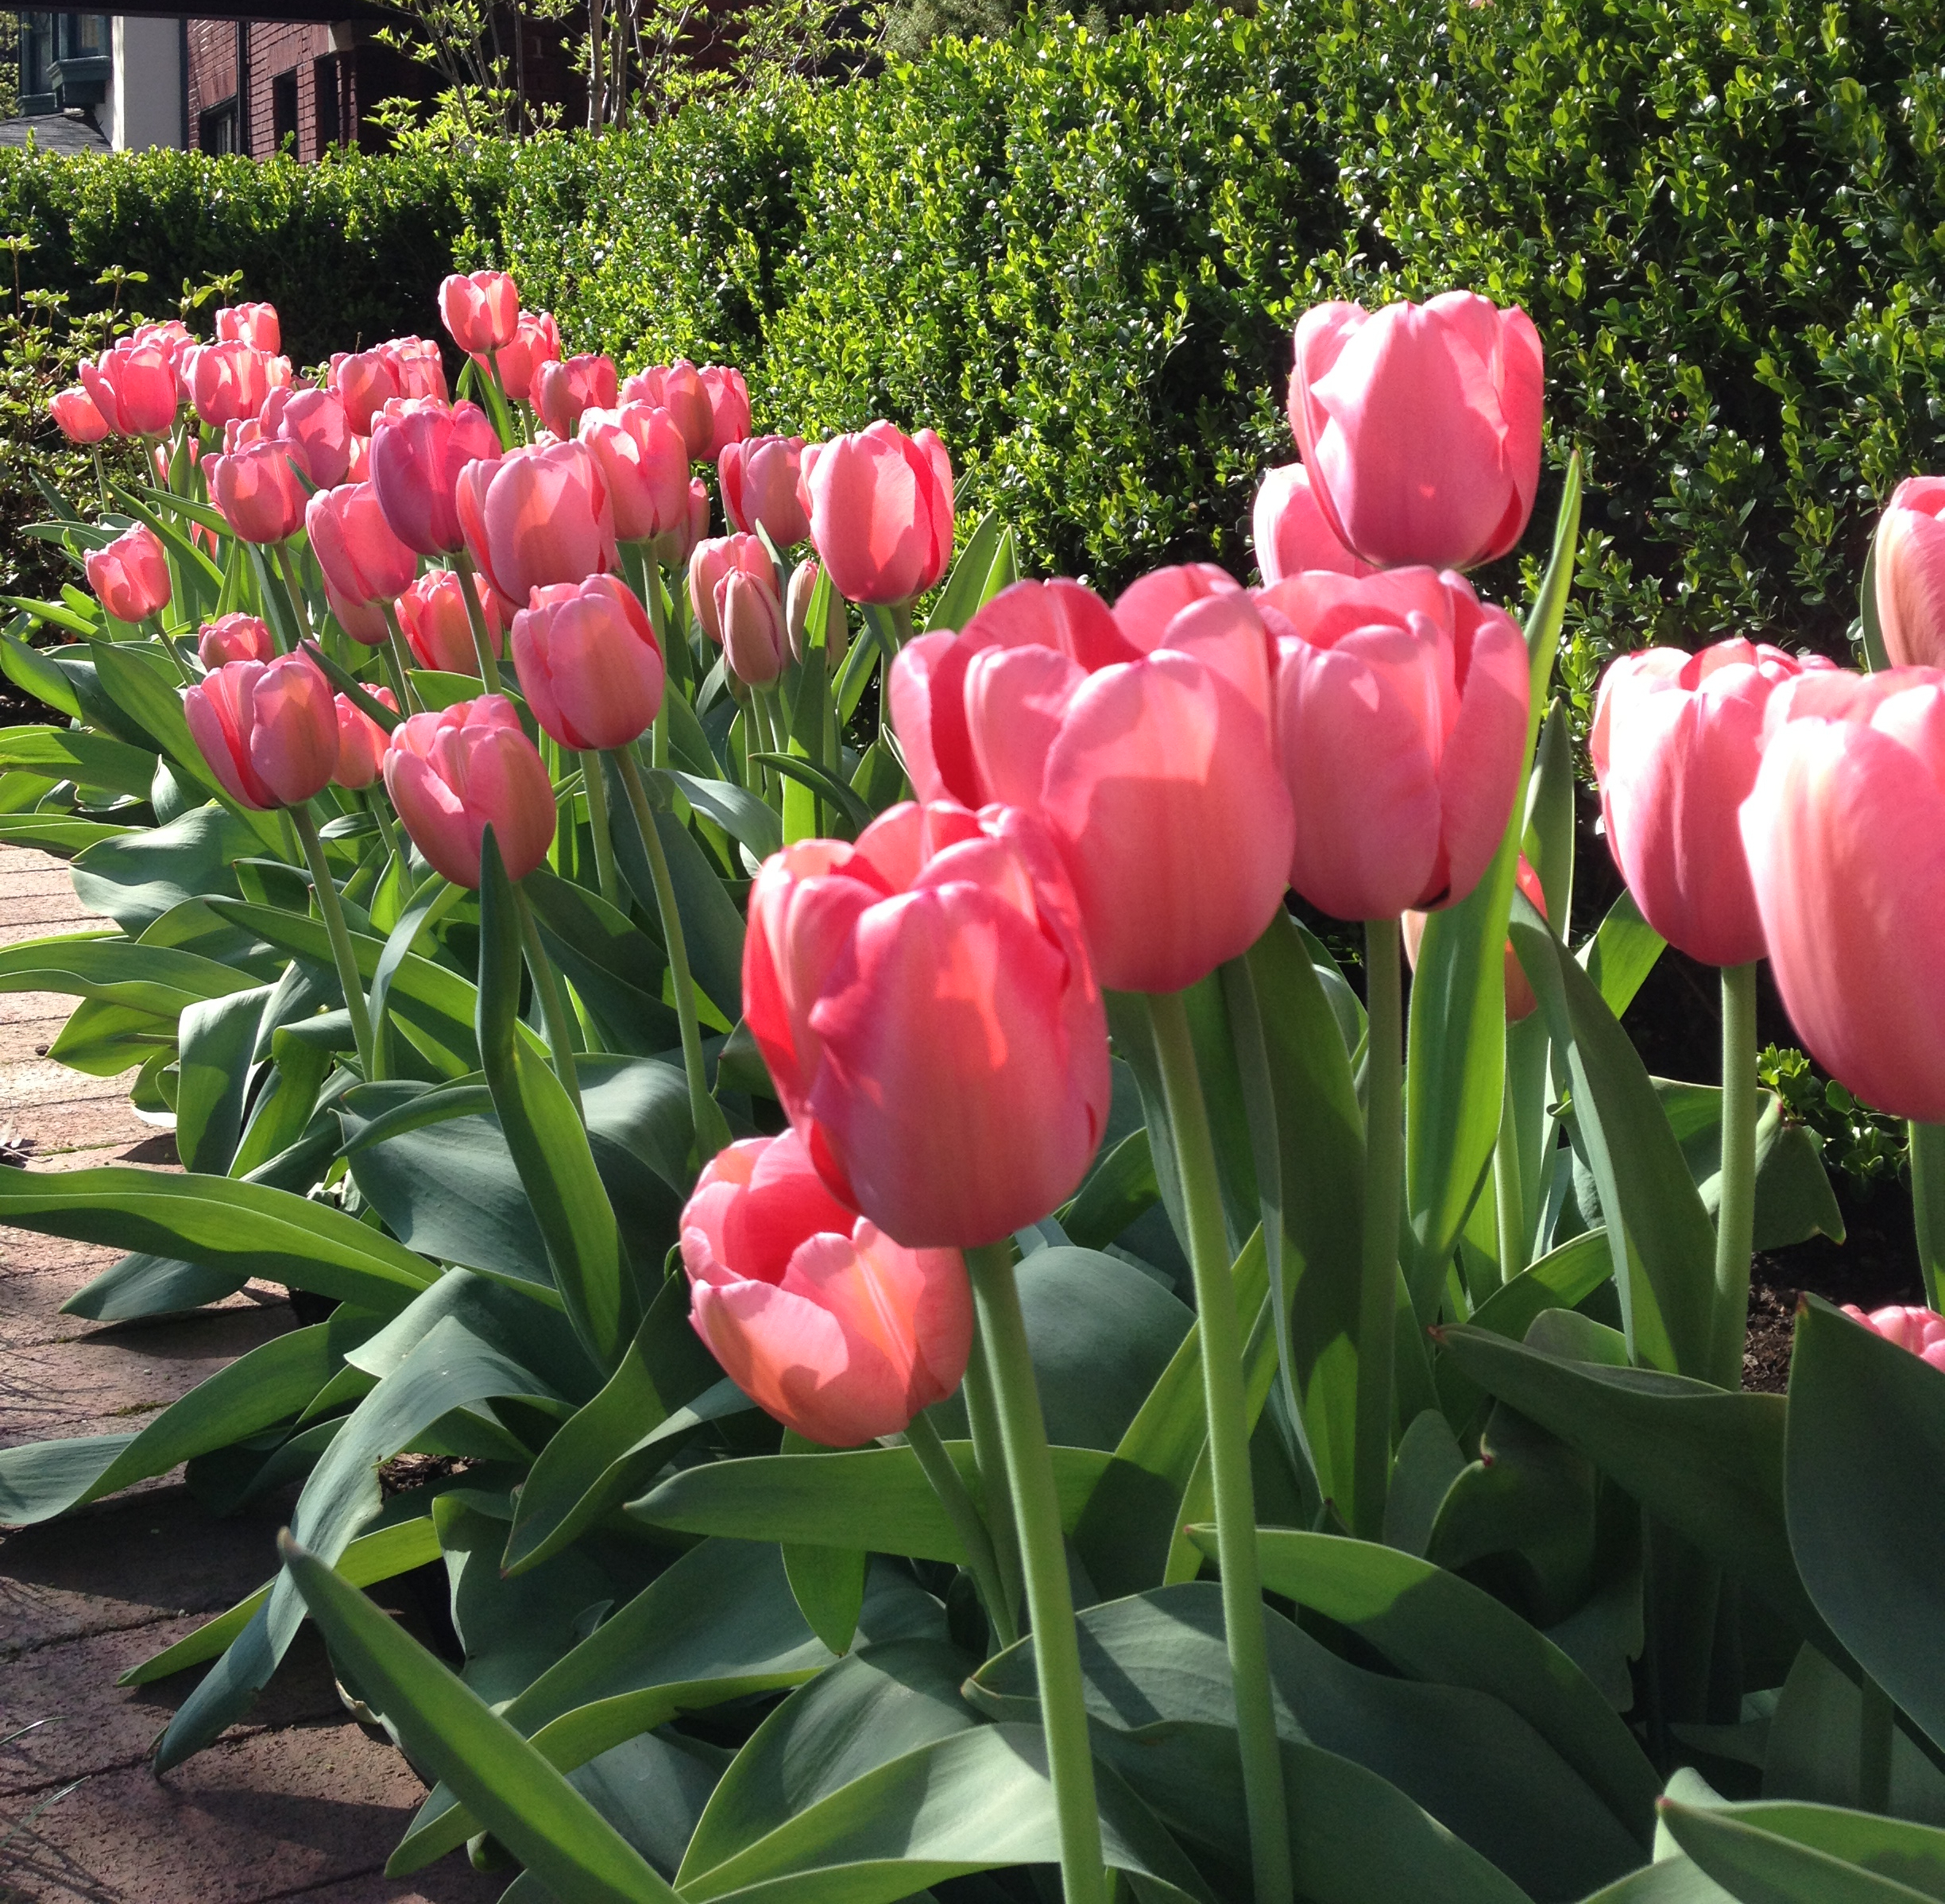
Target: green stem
(1509, 1191)
(606, 873)
(300, 616)
(989, 1459)
(1735, 1216)
(553, 1007)
(340, 936)
(1228, 1449)
(1043, 1550)
(711, 1132)
(922, 1435)
(1876, 1719)
(174, 653)
(476, 619)
(400, 656)
(1384, 1160)
(1928, 1170)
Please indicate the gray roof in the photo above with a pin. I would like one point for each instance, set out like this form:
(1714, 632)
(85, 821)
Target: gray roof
(55, 132)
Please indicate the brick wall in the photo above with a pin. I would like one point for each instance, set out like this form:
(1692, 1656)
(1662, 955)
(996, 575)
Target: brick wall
(296, 83)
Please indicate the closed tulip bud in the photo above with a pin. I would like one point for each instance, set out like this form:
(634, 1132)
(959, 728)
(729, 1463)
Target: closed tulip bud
(131, 577)
(588, 663)
(1291, 534)
(537, 517)
(1520, 1001)
(1908, 573)
(802, 587)
(362, 560)
(74, 410)
(813, 1312)
(730, 409)
(364, 621)
(480, 311)
(134, 388)
(268, 729)
(710, 563)
(254, 324)
(1420, 426)
(1152, 770)
(453, 774)
(314, 424)
(1676, 744)
(754, 641)
(1922, 1331)
(432, 612)
(678, 544)
(924, 1003)
(235, 637)
(678, 388)
(758, 477)
(880, 505)
(361, 742)
(226, 381)
(645, 464)
(535, 341)
(1402, 721)
(260, 495)
(417, 453)
(562, 392)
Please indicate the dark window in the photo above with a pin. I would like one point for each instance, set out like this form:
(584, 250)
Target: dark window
(216, 129)
(283, 108)
(324, 88)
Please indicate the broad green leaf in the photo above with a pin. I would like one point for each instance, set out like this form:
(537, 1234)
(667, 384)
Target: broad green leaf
(140, 877)
(141, 1285)
(1770, 1853)
(1621, 955)
(614, 965)
(156, 980)
(711, 923)
(1674, 1880)
(104, 1040)
(827, 1585)
(30, 670)
(283, 1108)
(735, 808)
(59, 834)
(968, 587)
(1121, 1186)
(854, 812)
(78, 754)
(215, 1038)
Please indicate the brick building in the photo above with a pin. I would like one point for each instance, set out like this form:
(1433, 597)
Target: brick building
(250, 85)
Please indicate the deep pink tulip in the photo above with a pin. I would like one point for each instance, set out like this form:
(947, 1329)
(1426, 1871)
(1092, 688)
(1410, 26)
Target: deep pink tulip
(1920, 1330)
(235, 637)
(730, 409)
(1152, 770)
(645, 464)
(361, 741)
(590, 664)
(1420, 426)
(758, 477)
(268, 729)
(1520, 1001)
(362, 560)
(1845, 835)
(1291, 533)
(562, 392)
(538, 517)
(1909, 573)
(480, 311)
(678, 388)
(131, 577)
(79, 421)
(711, 565)
(417, 453)
(1676, 743)
(1401, 720)
(256, 325)
(133, 386)
(453, 774)
(226, 381)
(535, 341)
(924, 1003)
(433, 614)
(880, 505)
(260, 495)
(813, 1312)
(314, 425)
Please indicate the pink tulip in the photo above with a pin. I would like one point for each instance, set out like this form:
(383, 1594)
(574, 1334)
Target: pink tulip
(1291, 534)
(364, 621)
(361, 742)
(1420, 426)
(535, 341)
(797, 615)
(417, 454)
(815, 1313)
(453, 774)
(588, 663)
(645, 464)
(480, 311)
(880, 505)
(1909, 575)
(711, 565)
(268, 729)
(79, 421)
(1520, 1001)
(730, 409)
(362, 560)
(1920, 1330)
(758, 477)
(260, 495)
(1153, 770)
(254, 324)
(563, 391)
(130, 576)
(174, 339)
(433, 614)
(1401, 720)
(225, 381)
(1143, 610)
(675, 545)
(755, 641)
(924, 1003)
(538, 517)
(1845, 835)
(313, 423)
(133, 386)
(1676, 743)
(365, 382)
(677, 388)
(235, 637)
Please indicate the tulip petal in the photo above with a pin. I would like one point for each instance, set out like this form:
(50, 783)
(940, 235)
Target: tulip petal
(1485, 752)
(1015, 698)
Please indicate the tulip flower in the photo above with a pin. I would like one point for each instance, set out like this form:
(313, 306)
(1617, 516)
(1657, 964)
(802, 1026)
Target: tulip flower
(432, 612)
(131, 577)
(173, 339)
(480, 311)
(678, 388)
(362, 560)
(453, 774)
(313, 423)
(758, 477)
(365, 382)
(268, 729)
(1143, 609)
(880, 505)
(225, 381)
(711, 562)
(677, 544)
(74, 410)
(255, 325)
(417, 454)
(815, 1313)
(537, 517)
(1520, 1001)
(1152, 770)
(364, 621)
(1401, 720)
(133, 387)
(589, 662)
(1920, 1330)
(361, 742)
(1676, 743)
(562, 392)
(260, 495)
(924, 1003)
(754, 642)
(535, 341)
(1909, 573)
(235, 637)
(1291, 533)
(1420, 427)
(730, 409)
(797, 616)
(645, 464)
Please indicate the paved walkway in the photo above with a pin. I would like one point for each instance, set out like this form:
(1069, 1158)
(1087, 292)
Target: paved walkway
(299, 1802)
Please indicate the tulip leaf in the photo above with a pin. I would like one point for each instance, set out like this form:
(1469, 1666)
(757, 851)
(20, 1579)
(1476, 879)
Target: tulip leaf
(857, 815)
(827, 1585)
(215, 1038)
(156, 980)
(1780, 1853)
(735, 808)
(32, 673)
(971, 583)
(1870, 629)
(140, 1285)
(80, 755)
(141, 877)
(615, 964)
(1622, 952)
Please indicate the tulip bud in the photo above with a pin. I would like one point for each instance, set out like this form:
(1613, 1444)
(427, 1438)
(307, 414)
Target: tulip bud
(562, 392)
(255, 325)
(134, 388)
(880, 506)
(226, 381)
(1520, 1001)
(802, 587)
(645, 464)
(361, 742)
(710, 563)
(79, 421)
(730, 409)
(480, 311)
(678, 543)
(813, 1312)
(268, 729)
(453, 774)
(130, 576)
(753, 625)
(362, 560)
(432, 612)
(1908, 573)
(535, 341)
(364, 621)
(417, 454)
(259, 493)
(537, 517)
(313, 423)
(1291, 533)
(678, 388)
(759, 479)
(1922, 1331)
(588, 663)
(235, 637)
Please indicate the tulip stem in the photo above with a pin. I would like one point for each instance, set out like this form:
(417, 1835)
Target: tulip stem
(1049, 1594)
(1876, 1720)
(606, 872)
(1384, 1160)
(174, 653)
(989, 1459)
(400, 658)
(1228, 1449)
(300, 616)
(1735, 1216)
(476, 619)
(553, 1007)
(711, 1132)
(1509, 1194)
(1927, 1172)
(340, 936)
(922, 1436)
